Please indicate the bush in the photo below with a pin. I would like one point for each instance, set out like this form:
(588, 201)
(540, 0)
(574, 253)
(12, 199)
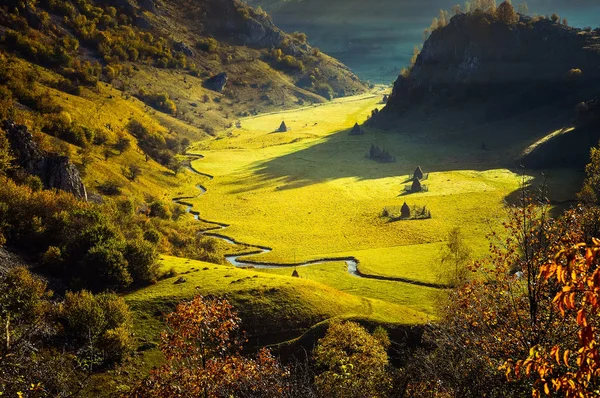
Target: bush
(353, 361)
(110, 188)
(152, 236)
(99, 327)
(208, 44)
(160, 210)
(142, 260)
(324, 90)
(105, 266)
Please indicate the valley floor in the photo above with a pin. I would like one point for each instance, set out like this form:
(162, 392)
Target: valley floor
(311, 193)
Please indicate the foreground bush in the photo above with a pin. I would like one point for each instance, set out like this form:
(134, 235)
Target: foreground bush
(49, 347)
(354, 363)
(203, 353)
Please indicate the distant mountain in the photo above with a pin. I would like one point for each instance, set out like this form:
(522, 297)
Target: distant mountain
(376, 38)
(513, 67)
(507, 79)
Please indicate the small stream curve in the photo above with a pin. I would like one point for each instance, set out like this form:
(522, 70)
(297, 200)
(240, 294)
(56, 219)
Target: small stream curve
(236, 259)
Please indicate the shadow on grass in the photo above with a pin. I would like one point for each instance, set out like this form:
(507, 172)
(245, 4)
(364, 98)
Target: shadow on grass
(433, 144)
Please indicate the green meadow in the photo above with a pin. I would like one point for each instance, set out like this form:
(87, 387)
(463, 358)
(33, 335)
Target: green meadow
(311, 193)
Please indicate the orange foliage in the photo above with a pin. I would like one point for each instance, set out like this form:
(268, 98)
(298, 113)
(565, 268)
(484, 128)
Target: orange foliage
(204, 360)
(572, 366)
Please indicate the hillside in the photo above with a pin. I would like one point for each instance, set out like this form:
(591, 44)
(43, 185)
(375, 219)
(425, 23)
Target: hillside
(100, 73)
(516, 77)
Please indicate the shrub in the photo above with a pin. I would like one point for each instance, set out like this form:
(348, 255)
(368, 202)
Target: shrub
(142, 260)
(131, 172)
(353, 361)
(110, 188)
(105, 266)
(160, 210)
(152, 236)
(99, 327)
(324, 90)
(208, 44)
(52, 257)
(122, 144)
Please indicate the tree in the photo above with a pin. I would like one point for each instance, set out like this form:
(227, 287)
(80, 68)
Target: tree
(571, 366)
(202, 351)
(122, 144)
(503, 313)
(591, 186)
(29, 364)
(523, 8)
(353, 363)
(141, 260)
(98, 327)
(132, 172)
(455, 257)
(506, 13)
(555, 18)
(105, 266)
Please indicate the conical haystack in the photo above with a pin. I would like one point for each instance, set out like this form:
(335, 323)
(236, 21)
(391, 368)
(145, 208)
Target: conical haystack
(418, 173)
(416, 186)
(283, 128)
(405, 211)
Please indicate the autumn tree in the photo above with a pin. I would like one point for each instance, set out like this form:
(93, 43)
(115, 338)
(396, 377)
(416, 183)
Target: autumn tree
(506, 13)
(503, 312)
(353, 362)
(454, 257)
(569, 366)
(203, 358)
(591, 186)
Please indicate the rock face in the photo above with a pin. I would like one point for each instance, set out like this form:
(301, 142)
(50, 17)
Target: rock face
(55, 171)
(234, 20)
(477, 58)
(216, 83)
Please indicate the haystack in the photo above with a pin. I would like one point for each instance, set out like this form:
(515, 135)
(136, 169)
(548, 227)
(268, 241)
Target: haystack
(418, 173)
(405, 211)
(416, 185)
(357, 130)
(283, 128)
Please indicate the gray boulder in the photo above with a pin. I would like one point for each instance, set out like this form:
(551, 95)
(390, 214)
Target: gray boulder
(216, 83)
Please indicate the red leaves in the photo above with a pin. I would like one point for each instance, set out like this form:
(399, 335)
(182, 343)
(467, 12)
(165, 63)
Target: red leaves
(577, 300)
(203, 358)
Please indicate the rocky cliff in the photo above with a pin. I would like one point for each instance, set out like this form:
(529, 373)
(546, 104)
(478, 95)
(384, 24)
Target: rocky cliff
(511, 67)
(55, 171)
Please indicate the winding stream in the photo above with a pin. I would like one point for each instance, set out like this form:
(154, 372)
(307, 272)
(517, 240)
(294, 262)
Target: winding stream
(235, 260)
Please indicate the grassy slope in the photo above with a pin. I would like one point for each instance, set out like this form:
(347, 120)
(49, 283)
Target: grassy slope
(274, 308)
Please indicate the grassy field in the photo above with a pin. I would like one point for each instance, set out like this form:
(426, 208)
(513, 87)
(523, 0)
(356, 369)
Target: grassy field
(311, 193)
